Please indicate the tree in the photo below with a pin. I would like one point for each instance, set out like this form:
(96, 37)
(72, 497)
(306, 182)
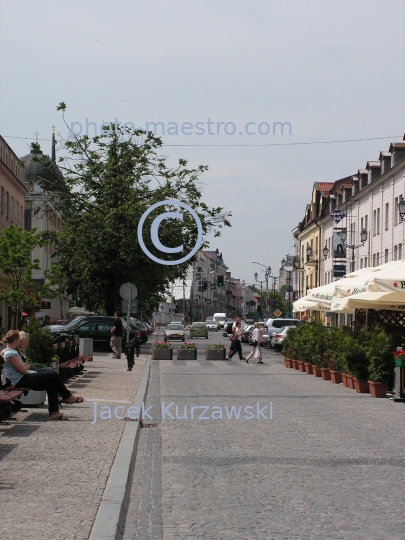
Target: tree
(16, 246)
(108, 182)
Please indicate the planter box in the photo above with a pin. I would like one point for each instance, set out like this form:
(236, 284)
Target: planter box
(378, 389)
(286, 362)
(325, 374)
(308, 368)
(292, 363)
(344, 379)
(187, 354)
(316, 372)
(34, 398)
(162, 354)
(335, 377)
(350, 381)
(400, 361)
(301, 366)
(361, 386)
(215, 354)
(296, 364)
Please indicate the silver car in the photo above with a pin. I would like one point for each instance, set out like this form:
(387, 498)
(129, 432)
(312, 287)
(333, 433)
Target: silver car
(278, 338)
(174, 331)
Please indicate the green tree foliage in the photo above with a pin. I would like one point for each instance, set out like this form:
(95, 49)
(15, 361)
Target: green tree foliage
(40, 351)
(109, 181)
(16, 246)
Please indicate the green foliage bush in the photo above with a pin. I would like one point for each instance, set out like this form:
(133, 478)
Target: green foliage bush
(40, 350)
(366, 355)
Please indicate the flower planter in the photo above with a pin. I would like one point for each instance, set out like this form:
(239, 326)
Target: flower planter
(378, 389)
(34, 398)
(301, 366)
(316, 372)
(308, 368)
(187, 354)
(291, 363)
(325, 374)
(162, 354)
(296, 364)
(215, 354)
(344, 379)
(361, 386)
(350, 381)
(286, 362)
(335, 377)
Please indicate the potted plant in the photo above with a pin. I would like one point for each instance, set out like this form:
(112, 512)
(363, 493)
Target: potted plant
(381, 362)
(187, 351)
(215, 352)
(40, 353)
(357, 362)
(162, 351)
(399, 356)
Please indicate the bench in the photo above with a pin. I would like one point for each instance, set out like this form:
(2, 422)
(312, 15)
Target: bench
(66, 369)
(8, 403)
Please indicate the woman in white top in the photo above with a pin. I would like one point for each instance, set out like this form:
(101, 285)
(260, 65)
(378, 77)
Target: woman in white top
(255, 341)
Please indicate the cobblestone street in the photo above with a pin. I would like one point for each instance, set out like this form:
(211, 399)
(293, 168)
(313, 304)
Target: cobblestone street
(54, 473)
(329, 465)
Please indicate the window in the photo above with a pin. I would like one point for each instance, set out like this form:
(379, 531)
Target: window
(88, 326)
(378, 258)
(395, 253)
(361, 263)
(7, 205)
(1, 199)
(387, 216)
(374, 259)
(400, 252)
(104, 327)
(361, 224)
(365, 262)
(397, 218)
(378, 221)
(28, 216)
(366, 222)
(386, 255)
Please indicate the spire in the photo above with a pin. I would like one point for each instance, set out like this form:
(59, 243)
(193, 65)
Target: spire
(53, 145)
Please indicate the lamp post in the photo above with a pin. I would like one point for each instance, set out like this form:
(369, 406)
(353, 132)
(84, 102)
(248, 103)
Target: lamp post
(267, 274)
(317, 261)
(363, 238)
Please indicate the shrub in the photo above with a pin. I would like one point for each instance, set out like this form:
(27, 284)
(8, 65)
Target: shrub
(162, 345)
(378, 348)
(289, 344)
(216, 346)
(312, 344)
(40, 351)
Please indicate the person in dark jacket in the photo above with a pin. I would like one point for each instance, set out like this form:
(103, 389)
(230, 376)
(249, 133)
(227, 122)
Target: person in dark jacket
(117, 333)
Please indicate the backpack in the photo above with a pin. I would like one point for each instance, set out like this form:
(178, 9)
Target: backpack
(229, 328)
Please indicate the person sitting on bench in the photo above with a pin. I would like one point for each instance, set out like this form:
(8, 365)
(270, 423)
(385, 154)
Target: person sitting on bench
(21, 376)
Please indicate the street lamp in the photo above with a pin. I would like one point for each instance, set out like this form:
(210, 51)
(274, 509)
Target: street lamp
(363, 238)
(401, 208)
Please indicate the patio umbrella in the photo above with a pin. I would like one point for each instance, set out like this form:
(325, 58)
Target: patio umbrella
(302, 305)
(394, 301)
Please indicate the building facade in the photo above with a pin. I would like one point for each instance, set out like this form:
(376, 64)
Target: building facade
(12, 199)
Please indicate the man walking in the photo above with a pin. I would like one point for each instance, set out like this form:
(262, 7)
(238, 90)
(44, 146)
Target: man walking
(116, 336)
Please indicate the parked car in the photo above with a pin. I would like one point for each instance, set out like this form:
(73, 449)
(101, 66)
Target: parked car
(275, 325)
(96, 327)
(198, 329)
(174, 330)
(278, 338)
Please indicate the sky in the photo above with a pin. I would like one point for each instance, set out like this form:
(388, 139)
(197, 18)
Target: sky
(328, 71)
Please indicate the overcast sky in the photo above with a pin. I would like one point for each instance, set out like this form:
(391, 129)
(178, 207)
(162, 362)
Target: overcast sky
(334, 70)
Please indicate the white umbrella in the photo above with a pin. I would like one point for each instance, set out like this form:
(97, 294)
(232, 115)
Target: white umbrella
(303, 305)
(392, 301)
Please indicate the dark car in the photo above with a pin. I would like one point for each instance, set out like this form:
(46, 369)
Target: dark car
(96, 327)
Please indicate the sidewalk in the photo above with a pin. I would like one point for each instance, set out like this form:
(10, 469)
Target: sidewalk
(54, 473)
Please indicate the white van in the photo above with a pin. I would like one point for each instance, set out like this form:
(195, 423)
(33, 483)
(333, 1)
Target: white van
(220, 318)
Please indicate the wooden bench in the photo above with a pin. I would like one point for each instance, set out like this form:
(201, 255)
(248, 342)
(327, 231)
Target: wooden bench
(66, 369)
(8, 403)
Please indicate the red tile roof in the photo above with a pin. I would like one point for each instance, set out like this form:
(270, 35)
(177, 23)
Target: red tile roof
(325, 187)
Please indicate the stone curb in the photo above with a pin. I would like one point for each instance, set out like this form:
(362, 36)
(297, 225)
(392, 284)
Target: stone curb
(111, 515)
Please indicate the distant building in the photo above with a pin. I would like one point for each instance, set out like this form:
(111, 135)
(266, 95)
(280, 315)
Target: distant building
(40, 214)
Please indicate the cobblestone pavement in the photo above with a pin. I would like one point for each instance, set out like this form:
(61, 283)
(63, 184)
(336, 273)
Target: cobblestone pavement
(329, 465)
(54, 473)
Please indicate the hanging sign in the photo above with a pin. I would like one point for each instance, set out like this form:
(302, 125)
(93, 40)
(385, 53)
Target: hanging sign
(337, 215)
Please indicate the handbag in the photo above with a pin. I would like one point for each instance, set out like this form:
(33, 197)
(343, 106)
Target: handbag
(252, 343)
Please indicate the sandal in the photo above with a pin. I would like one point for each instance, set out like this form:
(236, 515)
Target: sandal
(61, 417)
(78, 400)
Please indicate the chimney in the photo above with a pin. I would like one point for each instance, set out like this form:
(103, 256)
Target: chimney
(53, 145)
(397, 152)
(385, 159)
